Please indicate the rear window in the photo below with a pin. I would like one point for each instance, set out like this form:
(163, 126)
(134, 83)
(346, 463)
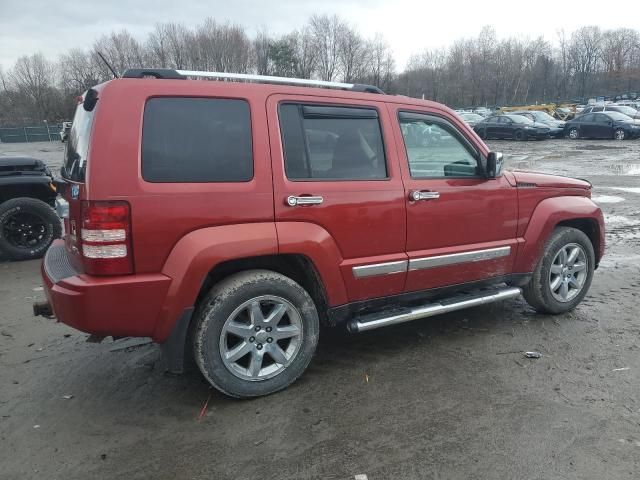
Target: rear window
(196, 140)
(75, 157)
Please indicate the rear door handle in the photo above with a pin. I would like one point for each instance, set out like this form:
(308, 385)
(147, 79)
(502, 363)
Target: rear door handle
(294, 201)
(418, 195)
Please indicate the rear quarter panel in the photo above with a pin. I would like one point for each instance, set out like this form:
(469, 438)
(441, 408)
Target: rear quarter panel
(163, 213)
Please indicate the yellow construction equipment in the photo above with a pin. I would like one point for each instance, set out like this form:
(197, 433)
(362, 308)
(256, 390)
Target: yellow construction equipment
(563, 111)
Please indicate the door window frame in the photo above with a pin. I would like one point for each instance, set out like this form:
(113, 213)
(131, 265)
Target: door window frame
(456, 133)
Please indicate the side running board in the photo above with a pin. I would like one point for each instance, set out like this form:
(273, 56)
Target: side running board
(457, 302)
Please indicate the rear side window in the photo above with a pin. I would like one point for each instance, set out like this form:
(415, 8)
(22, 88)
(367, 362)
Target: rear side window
(196, 140)
(332, 143)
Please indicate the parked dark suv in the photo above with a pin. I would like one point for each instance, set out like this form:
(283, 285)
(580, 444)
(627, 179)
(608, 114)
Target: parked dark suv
(28, 223)
(230, 219)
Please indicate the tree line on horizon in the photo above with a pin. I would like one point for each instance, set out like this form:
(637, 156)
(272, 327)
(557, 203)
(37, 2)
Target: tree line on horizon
(478, 71)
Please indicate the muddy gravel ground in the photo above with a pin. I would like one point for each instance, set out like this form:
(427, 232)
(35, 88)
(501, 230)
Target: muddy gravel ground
(450, 397)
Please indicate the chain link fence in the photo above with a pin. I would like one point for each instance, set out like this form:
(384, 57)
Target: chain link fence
(43, 133)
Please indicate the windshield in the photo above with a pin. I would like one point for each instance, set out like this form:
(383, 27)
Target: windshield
(619, 116)
(473, 117)
(624, 109)
(519, 119)
(75, 155)
(542, 116)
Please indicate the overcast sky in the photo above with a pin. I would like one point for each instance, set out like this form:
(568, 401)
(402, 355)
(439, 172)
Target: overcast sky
(410, 26)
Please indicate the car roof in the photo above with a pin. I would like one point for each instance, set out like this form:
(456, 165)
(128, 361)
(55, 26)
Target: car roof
(183, 87)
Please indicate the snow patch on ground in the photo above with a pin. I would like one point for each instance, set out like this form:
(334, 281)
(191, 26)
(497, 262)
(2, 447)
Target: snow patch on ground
(620, 220)
(627, 189)
(607, 199)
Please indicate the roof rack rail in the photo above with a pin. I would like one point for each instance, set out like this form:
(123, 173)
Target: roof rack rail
(167, 73)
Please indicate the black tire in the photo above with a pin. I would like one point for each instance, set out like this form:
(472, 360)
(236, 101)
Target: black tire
(221, 302)
(518, 135)
(482, 133)
(537, 292)
(619, 134)
(27, 228)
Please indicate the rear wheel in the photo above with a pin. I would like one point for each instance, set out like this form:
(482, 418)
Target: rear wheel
(27, 228)
(255, 333)
(619, 134)
(563, 274)
(518, 135)
(574, 134)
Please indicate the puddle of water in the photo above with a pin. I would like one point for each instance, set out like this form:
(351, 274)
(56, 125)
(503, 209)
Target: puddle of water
(620, 220)
(607, 199)
(598, 147)
(627, 189)
(625, 168)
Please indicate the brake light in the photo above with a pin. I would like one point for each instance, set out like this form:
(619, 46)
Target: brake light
(106, 238)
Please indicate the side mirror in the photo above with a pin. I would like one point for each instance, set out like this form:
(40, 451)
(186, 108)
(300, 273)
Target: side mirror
(494, 164)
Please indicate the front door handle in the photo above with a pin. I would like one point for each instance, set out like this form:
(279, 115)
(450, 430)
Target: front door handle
(418, 195)
(294, 201)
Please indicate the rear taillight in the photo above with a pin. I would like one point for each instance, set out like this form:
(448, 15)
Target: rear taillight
(105, 238)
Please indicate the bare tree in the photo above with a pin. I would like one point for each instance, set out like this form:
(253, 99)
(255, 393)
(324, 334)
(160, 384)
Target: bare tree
(261, 52)
(33, 78)
(584, 53)
(327, 32)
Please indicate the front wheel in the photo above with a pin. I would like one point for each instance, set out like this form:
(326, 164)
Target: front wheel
(255, 333)
(574, 134)
(619, 134)
(563, 274)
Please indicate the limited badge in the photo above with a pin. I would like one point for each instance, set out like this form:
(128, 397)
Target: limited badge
(75, 191)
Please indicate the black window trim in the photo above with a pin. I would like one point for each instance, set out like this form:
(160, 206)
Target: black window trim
(301, 116)
(466, 143)
(253, 155)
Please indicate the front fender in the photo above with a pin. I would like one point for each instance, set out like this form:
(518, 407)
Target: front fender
(197, 253)
(546, 216)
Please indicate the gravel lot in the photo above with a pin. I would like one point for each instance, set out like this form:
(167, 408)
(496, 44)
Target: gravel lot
(450, 397)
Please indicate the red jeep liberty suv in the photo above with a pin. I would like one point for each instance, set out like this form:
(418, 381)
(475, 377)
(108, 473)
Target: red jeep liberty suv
(231, 218)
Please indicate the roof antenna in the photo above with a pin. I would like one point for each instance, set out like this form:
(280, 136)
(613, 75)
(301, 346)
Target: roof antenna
(115, 75)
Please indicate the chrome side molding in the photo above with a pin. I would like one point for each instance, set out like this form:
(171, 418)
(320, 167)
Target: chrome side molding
(454, 258)
(363, 271)
(377, 320)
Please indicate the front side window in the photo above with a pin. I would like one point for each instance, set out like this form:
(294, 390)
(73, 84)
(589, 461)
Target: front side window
(196, 140)
(435, 149)
(332, 143)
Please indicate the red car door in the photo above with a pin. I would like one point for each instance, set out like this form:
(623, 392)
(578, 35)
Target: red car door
(461, 226)
(337, 183)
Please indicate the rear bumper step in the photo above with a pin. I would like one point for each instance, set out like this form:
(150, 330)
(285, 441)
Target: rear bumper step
(457, 302)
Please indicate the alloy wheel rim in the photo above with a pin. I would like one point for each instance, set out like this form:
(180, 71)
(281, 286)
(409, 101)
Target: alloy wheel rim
(25, 230)
(568, 272)
(619, 135)
(573, 133)
(261, 338)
